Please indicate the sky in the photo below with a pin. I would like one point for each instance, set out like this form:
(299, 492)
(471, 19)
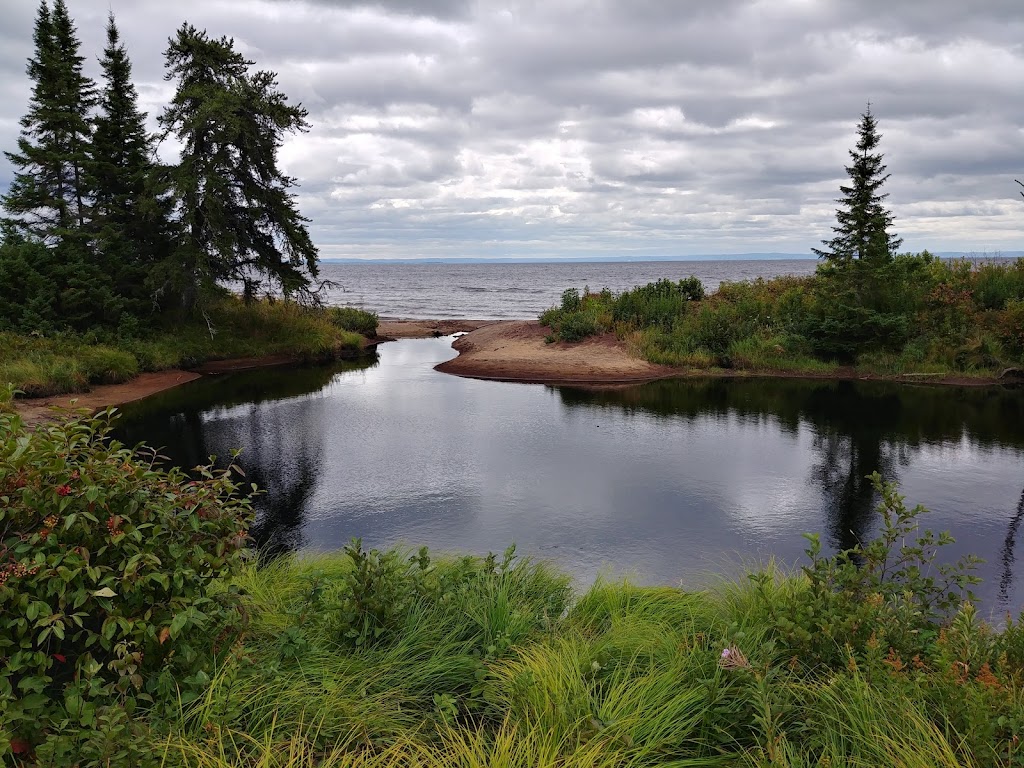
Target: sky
(548, 129)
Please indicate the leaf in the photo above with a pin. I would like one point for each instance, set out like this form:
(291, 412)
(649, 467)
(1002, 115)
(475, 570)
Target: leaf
(164, 634)
(105, 592)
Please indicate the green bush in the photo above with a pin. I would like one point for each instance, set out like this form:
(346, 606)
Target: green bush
(893, 592)
(110, 584)
(656, 304)
(576, 326)
(355, 320)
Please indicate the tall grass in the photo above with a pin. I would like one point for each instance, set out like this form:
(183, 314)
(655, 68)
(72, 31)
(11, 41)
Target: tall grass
(40, 366)
(494, 664)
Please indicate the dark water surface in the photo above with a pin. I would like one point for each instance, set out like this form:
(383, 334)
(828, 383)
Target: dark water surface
(671, 481)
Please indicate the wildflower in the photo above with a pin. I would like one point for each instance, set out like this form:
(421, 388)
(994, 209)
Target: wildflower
(50, 521)
(63, 490)
(733, 658)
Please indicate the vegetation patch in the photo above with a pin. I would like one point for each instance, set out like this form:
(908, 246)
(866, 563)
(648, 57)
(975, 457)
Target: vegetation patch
(915, 314)
(134, 632)
(70, 362)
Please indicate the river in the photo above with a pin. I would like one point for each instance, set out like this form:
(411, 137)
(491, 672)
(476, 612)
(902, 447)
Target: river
(675, 481)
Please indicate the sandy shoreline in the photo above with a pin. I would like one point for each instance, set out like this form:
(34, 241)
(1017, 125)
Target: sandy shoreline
(40, 409)
(515, 350)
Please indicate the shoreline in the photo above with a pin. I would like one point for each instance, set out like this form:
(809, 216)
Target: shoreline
(490, 350)
(38, 410)
(515, 351)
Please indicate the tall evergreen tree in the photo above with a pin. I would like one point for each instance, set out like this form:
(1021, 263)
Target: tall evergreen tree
(129, 216)
(235, 206)
(48, 198)
(46, 230)
(862, 220)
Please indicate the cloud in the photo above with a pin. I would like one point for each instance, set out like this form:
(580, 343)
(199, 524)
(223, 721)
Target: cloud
(575, 127)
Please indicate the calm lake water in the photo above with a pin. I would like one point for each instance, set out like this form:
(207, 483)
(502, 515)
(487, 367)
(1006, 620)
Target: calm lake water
(671, 481)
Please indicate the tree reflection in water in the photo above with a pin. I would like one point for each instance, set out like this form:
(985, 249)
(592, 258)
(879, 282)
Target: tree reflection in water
(858, 427)
(282, 437)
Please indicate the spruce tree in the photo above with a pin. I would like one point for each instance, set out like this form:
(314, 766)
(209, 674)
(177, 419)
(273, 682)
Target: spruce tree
(129, 216)
(238, 215)
(48, 205)
(862, 220)
(48, 198)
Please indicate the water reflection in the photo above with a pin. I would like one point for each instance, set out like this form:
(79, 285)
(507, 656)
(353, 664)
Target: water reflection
(271, 416)
(671, 481)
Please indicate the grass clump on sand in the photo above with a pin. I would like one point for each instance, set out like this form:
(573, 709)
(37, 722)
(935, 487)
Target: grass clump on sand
(72, 362)
(912, 315)
(874, 656)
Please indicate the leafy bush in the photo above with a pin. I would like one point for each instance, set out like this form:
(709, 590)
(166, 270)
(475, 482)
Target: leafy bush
(892, 592)
(110, 583)
(576, 326)
(657, 304)
(355, 320)
(571, 301)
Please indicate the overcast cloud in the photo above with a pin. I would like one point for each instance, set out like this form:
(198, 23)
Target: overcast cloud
(550, 128)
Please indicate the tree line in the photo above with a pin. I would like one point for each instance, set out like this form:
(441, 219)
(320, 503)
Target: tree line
(97, 232)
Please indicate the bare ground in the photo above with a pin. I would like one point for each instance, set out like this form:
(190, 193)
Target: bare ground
(515, 351)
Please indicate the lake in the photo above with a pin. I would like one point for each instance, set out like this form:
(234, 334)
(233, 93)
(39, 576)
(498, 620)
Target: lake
(672, 481)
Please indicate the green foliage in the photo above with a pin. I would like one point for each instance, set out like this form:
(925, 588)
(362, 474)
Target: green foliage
(627, 675)
(862, 223)
(893, 592)
(130, 216)
(355, 320)
(913, 314)
(70, 362)
(578, 316)
(49, 198)
(235, 206)
(110, 594)
(657, 304)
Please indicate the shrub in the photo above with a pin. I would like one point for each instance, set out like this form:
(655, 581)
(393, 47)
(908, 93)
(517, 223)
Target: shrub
(355, 320)
(571, 301)
(656, 304)
(110, 594)
(576, 326)
(889, 593)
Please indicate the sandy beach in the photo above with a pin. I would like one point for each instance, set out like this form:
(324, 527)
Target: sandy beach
(515, 350)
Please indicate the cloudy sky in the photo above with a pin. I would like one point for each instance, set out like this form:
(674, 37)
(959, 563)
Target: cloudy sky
(590, 128)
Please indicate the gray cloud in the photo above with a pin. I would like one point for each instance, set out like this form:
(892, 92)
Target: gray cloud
(641, 127)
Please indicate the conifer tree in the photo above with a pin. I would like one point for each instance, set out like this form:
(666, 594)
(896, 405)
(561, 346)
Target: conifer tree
(862, 220)
(236, 210)
(48, 198)
(129, 217)
(47, 253)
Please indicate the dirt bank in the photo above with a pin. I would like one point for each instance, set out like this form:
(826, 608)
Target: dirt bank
(39, 409)
(515, 351)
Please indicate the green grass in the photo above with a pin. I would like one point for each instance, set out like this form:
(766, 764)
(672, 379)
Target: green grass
(40, 366)
(504, 669)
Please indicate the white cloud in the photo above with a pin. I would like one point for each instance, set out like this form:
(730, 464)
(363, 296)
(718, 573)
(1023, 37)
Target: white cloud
(645, 127)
